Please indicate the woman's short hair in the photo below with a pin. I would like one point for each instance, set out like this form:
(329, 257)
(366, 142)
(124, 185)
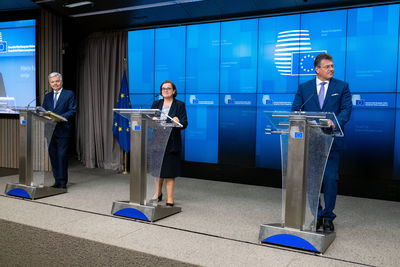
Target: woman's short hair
(173, 87)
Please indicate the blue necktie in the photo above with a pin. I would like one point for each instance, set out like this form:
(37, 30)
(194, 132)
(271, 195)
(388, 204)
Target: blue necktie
(55, 99)
(321, 95)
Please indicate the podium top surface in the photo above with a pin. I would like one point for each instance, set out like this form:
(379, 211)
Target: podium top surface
(278, 121)
(135, 111)
(149, 113)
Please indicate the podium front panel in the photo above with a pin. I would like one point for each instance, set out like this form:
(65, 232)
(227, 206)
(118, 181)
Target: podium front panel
(319, 148)
(35, 136)
(158, 135)
(310, 164)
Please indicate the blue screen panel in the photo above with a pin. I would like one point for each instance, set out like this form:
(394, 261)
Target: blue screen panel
(369, 135)
(201, 135)
(142, 100)
(141, 61)
(237, 130)
(239, 56)
(268, 150)
(170, 56)
(146, 100)
(18, 61)
(277, 39)
(396, 167)
(327, 34)
(372, 42)
(202, 60)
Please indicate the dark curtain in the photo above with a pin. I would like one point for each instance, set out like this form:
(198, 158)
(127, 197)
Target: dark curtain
(101, 66)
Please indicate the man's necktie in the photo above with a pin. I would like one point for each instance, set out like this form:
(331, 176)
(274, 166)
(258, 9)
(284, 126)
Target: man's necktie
(55, 99)
(321, 95)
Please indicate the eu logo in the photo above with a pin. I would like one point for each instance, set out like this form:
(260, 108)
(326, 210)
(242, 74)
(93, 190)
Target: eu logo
(3, 46)
(303, 62)
(360, 102)
(298, 135)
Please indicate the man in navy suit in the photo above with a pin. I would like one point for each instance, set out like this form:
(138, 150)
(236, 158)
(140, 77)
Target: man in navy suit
(326, 94)
(61, 102)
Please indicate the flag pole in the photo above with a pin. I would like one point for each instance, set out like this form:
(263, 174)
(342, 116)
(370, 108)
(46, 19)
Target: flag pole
(125, 154)
(125, 171)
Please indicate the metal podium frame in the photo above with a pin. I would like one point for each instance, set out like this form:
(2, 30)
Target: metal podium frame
(137, 206)
(294, 231)
(26, 187)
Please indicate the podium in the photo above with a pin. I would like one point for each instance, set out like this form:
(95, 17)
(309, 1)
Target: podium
(35, 133)
(306, 140)
(149, 138)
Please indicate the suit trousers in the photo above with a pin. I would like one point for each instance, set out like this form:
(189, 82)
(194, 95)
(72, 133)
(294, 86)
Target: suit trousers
(58, 149)
(330, 187)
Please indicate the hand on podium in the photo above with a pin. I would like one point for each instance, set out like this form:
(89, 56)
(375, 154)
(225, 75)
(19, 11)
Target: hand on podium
(176, 121)
(331, 124)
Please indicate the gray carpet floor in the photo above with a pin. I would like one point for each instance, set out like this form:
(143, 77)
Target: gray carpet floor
(218, 226)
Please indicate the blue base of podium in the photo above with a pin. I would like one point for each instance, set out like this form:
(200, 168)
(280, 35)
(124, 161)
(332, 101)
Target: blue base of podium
(149, 212)
(305, 240)
(32, 192)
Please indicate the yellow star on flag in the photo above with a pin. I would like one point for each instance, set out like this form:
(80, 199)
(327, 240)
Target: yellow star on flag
(119, 129)
(122, 95)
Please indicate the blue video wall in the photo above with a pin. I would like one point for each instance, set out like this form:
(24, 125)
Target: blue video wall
(229, 73)
(18, 61)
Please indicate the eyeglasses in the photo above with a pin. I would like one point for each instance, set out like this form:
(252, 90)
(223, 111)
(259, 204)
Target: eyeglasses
(327, 67)
(166, 89)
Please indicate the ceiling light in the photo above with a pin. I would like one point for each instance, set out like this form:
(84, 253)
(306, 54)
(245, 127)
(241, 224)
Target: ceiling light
(83, 3)
(116, 10)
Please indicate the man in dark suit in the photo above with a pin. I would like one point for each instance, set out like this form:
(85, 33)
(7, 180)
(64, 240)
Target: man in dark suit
(61, 102)
(326, 94)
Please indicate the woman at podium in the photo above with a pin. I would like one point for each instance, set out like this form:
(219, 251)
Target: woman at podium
(171, 164)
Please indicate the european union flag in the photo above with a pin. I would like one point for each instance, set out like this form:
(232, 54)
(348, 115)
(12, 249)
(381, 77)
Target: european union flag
(303, 62)
(121, 128)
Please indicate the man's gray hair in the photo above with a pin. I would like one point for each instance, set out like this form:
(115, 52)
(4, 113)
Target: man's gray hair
(51, 75)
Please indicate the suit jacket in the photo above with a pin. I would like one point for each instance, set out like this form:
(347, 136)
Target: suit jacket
(337, 100)
(177, 109)
(66, 107)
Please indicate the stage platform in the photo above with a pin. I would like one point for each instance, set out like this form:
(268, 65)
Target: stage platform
(218, 226)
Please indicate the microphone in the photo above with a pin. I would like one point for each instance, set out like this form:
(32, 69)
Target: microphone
(29, 104)
(308, 99)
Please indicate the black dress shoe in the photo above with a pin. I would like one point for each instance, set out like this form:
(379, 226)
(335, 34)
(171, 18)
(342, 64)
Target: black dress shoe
(320, 222)
(170, 204)
(56, 185)
(328, 226)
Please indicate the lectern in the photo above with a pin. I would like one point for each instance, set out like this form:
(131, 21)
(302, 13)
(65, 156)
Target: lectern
(35, 132)
(149, 137)
(306, 140)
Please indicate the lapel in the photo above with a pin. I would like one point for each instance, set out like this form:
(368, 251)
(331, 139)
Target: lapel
(172, 109)
(160, 104)
(331, 87)
(315, 92)
(60, 98)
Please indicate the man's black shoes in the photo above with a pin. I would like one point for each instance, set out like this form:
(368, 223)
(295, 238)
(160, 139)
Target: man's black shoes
(58, 185)
(320, 222)
(328, 226)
